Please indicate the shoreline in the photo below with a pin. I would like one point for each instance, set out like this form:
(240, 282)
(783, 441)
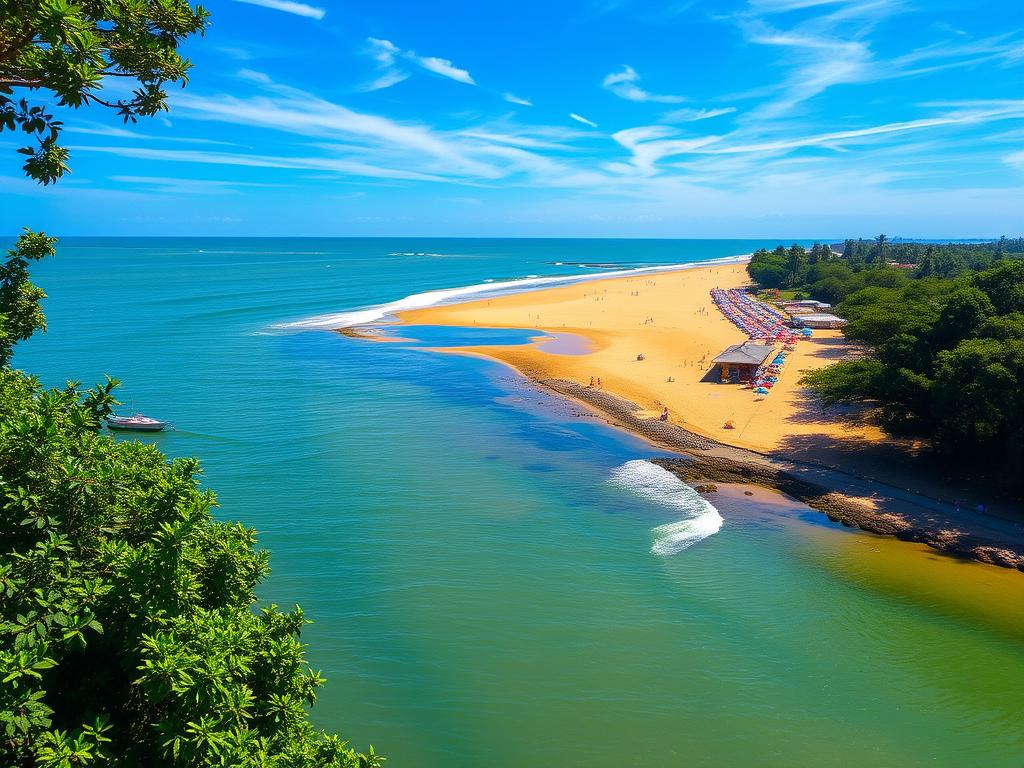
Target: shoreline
(858, 502)
(898, 496)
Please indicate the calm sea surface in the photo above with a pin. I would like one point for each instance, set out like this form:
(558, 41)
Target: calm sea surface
(478, 560)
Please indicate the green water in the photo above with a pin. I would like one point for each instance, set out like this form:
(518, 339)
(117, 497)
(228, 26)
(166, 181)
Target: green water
(483, 593)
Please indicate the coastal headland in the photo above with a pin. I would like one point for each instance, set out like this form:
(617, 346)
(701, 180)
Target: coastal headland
(628, 348)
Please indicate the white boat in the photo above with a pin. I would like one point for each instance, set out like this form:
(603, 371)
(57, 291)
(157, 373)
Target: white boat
(137, 422)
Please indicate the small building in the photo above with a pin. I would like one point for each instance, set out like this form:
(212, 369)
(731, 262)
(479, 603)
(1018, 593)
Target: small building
(805, 306)
(739, 363)
(819, 321)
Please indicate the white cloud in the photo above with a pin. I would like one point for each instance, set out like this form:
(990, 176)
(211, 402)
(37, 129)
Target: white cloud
(623, 84)
(694, 115)
(650, 143)
(178, 186)
(511, 98)
(581, 119)
(254, 76)
(298, 9)
(1016, 160)
(389, 57)
(347, 167)
(442, 67)
(302, 113)
(527, 142)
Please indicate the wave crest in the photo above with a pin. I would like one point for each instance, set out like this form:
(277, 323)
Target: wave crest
(450, 295)
(660, 486)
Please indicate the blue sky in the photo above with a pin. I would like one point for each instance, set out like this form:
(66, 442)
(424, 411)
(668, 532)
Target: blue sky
(679, 118)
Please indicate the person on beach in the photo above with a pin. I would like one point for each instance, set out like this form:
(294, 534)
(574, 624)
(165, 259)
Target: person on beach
(664, 415)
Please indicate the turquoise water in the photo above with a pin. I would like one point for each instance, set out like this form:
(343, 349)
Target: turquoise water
(478, 559)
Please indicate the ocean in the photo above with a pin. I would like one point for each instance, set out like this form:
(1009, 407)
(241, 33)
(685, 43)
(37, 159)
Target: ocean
(496, 580)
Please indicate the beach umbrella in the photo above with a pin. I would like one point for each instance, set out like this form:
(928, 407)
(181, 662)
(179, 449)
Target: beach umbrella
(760, 391)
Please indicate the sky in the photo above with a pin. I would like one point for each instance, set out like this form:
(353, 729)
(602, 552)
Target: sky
(600, 118)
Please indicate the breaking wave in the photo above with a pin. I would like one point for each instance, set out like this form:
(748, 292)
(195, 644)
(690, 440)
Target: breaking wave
(451, 295)
(656, 484)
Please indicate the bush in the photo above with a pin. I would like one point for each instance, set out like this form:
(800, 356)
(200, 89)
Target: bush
(128, 634)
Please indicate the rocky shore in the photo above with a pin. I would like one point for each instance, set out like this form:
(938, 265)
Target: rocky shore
(845, 498)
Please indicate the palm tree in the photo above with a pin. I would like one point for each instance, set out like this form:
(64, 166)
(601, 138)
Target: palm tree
(881, 252)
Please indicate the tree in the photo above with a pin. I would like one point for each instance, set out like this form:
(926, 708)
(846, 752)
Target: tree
(768, 269)
(21, 312)
(929, 265)
(965, 311)
(127, 630)
(796, 265)
(1004, 285)
(71, 49)
(128, 634)
(880, 253)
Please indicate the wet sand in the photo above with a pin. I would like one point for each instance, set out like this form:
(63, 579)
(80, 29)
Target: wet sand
(837, 462)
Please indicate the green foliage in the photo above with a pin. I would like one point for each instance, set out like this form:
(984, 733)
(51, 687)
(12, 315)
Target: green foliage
(69, 49)
(21, 312)
(128, 635)
(946, 360)
(844, 382)
(127, 630)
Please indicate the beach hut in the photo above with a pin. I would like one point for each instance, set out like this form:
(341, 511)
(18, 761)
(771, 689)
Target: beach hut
(740, 362)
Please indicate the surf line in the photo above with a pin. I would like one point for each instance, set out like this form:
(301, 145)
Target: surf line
(656, 484)
(379, 312)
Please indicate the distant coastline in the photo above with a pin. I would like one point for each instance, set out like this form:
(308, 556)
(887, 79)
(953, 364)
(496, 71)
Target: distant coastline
(785, 445)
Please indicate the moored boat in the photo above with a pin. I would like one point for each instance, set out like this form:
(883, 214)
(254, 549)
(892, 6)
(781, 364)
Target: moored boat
(137, 422)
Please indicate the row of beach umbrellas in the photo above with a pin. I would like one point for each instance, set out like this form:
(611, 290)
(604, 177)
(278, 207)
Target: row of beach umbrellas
(755, 318)
(761, 323)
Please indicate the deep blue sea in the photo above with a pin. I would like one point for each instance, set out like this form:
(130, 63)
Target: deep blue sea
(483, 566)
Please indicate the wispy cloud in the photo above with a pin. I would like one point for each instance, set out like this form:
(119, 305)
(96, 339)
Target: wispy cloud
(511, 98)
(442, 67)
(116, 132)
(390, 57)
(581, 119)
(624, 85)
(694, 115)
(346, 167)
(650, 143)
(288, 6)
(255, 77)
(178, 186)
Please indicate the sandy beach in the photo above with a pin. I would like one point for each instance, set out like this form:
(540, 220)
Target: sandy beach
(835, 461)
(668, 318)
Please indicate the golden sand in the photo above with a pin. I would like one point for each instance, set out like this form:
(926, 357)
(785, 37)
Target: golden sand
(668, 318)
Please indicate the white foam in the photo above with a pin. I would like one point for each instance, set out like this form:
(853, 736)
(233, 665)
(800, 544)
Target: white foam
(451, 295)
(656, 484)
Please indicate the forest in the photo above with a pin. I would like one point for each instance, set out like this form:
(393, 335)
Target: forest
(943, 330)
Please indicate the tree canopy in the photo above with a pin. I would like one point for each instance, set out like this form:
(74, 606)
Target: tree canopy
(71, 49)
(945, 360)
(129, 632)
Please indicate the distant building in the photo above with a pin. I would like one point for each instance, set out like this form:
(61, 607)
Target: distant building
(818, 321)
(739, 363)
(804, 306)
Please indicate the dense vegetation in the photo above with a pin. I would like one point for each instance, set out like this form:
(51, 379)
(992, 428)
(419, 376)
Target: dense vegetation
(945, 334)
(128, 629)
(70, 49)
